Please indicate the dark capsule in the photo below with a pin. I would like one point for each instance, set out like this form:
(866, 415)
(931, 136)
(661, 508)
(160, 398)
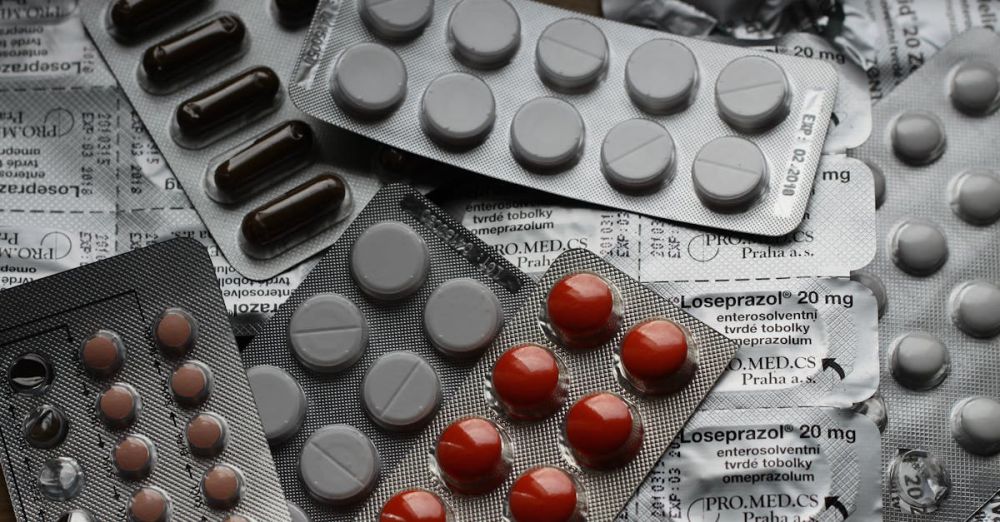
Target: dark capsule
(311, 206)
(45, 427)
(277, 152)
(133, 18)
(294, 12)
(241, 96)
(194, 50)
(31, 373)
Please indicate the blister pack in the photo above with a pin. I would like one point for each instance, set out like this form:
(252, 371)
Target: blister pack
(360, 357)
(568, 409)
(836, 236)
(937, 271)
(760, 465)
(125, 397)
(591, 109)
(273, 186)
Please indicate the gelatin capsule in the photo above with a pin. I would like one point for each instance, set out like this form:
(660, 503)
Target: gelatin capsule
(132, 18)
(277, 152)
(246, 94)
(195, 49)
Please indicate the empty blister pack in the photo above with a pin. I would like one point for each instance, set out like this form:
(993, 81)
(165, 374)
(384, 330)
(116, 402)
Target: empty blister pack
(127, 399)
(382, 331)
(937, 270)
(598, 111)
(763, 465)
(208, 77)
(803, 342)
(567, 410)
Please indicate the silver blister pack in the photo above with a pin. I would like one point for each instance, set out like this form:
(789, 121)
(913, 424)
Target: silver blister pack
(836, 236)
(771, 464)
(266, 43)
(596, 415)
(937, 271)
(125, 391)
(500, 105)
(362, 391)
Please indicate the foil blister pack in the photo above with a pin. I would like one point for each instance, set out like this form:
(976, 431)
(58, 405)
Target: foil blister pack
(568, 409)
(769, 464)
(937, 272)
(273, 186)
(126, 396)
(729, 138)
(381, 332)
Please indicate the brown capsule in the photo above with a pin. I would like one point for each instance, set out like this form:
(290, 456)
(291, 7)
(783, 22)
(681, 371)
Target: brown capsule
(133, 18)
(305, 209)
(102, 354)
(191, 384)
(241, 96)
(118, 406)
(175, 332)
(274, 154)
(134, 457)
(194, 50)
(149, 505)
(206, 435)
(294, 12)
(222, 486)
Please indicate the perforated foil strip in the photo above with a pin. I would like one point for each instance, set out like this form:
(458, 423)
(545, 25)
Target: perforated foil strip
(813, 84)
(922, 420)
(271, 44)
(397, 326)
(538, 443)
(770, 464)
(52, 317)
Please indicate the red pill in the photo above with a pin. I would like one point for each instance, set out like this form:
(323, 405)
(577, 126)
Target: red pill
(654, 354)
(582, 310)
(472, 457)
(414, 505)
(544, 495)
(527, 382)
(602, 431)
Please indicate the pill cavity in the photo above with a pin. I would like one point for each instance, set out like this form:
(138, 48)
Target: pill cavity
(196, 50)
(472, 456)
(975, 308)
(874, 284)
(102, 354)
(77, 515)
(462, 317)
(390, 261)
(273, 155)
(45, 427)
(175, 332)
(661, 76)
(415, 505)
(547, 135)
(149, 504)
(191, 384)
(528, 382)
(61, 479)
(603, 432)
(206, 435)
(401, 391)
(457, 110)
(729, 174)
(571, 54)
(975, 88)
(119, 406)
(920, 481)
(135, 18)
(281, 403)
(134, 457)
(638, 155)
(919, 361)
(545, 494)
(222, 486)
(752, 94)
(369, 81)
(656, 358)
(582, 311)
(328, 333)
(484, 33)
(875, 409)
(975, 196)
(918, 248)
(30, 374)
(229, 104)
(975, 424)
(918, 138)
(339, 465)
(396, 19)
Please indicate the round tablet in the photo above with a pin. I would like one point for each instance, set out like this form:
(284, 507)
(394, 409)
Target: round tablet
(661, 76)
(484, 33)
(472, 456)
(369, 80)
(873, 283)
(30, 374)
(918, 249)
(458, 110)
(222, 486)
(206, 435)
(462, 317)
(637, 155)
(296, 513)
(389, 261)
(191, 384)
(975, 88)
(582, 310)
(414, 505)
(77, 515)
(46, 427)
(281, 403)
(401, 391)
(149, 504)
(102, 354)
(919, 361)
(119, 405)
(920, 480)
(918, 138)
(879, 179)
(602, 431)
(339, 465)
(729, 174)
(175, 332)
(396, 19)
(571, 54)
(544, 494)
(528, 382)
(975, 196)
(975, 424)
(134, 457)
(328, 334)
(547, 135)
(975, 308)
(752, 93)
(655, 357)
(61, 479)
